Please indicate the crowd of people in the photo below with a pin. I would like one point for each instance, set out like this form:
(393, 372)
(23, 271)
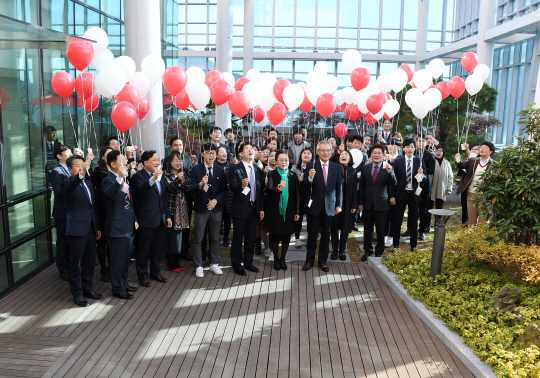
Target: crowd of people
(262, 188)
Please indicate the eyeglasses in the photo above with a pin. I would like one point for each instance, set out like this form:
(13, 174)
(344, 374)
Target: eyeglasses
(210, 152)
(283, 160)
(154, 160)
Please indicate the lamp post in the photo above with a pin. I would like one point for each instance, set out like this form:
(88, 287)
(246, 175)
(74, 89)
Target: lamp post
(441, 217)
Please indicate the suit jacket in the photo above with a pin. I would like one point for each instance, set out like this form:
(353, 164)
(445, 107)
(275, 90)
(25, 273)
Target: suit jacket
(57, 177)
(327, 196)
(241, 203)
(400, 170)
(119, 214)
(81, 214)
(374, 195)
(151, 207)
(470, 166)
(217, 189)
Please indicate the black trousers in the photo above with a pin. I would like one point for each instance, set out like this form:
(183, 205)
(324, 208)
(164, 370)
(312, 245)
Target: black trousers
(377, 218)
(148, 248)
(82, 257)
(120, 251)
(464, 211)
(339, 242)
(62, 249)
(315, 223)
(298, 226)
(412, 220)
(226, 223)
(423, 213)
(244, 229)
(391, 220)
(186, 231)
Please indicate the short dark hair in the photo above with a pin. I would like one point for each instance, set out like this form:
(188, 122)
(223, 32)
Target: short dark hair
(474, 145)
(351, 158)
(214, 129)
(108, 141)
(490, 145)
(173, 138)
(280, 152)
(112, 156)
(267, 127)
(408, 141)
(420, 136)
(69, 161)
(439, 147)
(221, 147)
(378, 146)
(297, 130)
(209, 147)
(299, 165)
(241, 147)
(229, 130)
(49, 129)
(146, 155)
(173, 155)
(352, 138)
(273, 129)
(58, 149)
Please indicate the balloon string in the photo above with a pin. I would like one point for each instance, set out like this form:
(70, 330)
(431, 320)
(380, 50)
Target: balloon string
(470, 119)
(457, 122)
(71, 120)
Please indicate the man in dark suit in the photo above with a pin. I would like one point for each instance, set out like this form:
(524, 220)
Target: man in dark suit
(58, 175)
(152, 211)
(246, 182)
(429, 162)
(376, 185)
(208, 184)
(408, 191)
(82, 230)
(323, 187)
(120, 224)
(385, 136)
(231, 143)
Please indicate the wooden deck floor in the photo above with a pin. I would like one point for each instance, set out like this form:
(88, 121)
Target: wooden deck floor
(346, 323)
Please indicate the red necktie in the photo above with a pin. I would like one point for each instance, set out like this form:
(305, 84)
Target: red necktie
(123, 183)
(375, 173)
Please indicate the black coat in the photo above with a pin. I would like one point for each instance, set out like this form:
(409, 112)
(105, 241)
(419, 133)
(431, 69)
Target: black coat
(57, 177)
(400, 171)
(375, 195)
(273, 220)
(323, 196)
(151, 207)
(119, 214)
(241, 203)
(350, 200)
(97, 177)
(217, 188)
(428, 159)
(80, 214)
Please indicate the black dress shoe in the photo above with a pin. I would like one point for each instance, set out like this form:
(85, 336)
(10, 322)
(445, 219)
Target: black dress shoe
(131, 289)
(422, 236)
(333, 256)
(324, 267)
(145, 283)
(64, 276)
(186, 256)
(159, 279)
(123, 295)
(252, 268)
(342, 256)
(406, 233)
(240, 272)
(366, 255)
(92, 294)
(355, 228)
(81, 301)
(307, 266)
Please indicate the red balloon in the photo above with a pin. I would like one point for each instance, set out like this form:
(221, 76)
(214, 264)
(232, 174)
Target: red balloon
(62, 83)
(306, 105)
(277, 113)
(442, 86)
(258, 114)
(193, 106)
(408, 70)
(431, 86)
(4, 97)
(144, 106)
(80, 54)
(413, 85)
(374, 104)
(387, 97)
(174, 79)
(469, 61)
(456, 86)
(212, 76)
(279, 86)
(240, 83)
(239, 103)
(326, 104)
(181, 100)
(386, 117)
(369, 119)
(84, 85)
(130, 94)
(220, 91)
(123, 116)
(352, 112)
(89, 103)
(341, 130)
(360, 78)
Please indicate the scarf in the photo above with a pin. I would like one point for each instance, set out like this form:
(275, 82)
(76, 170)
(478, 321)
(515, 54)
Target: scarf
(439, 160)
(284, 198)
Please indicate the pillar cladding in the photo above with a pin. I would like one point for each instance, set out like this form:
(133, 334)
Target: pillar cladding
(224, 49)
(421, 34)
(249, 32)
(486, 21)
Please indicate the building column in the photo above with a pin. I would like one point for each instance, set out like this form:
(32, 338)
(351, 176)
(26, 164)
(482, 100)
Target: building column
(224, 44)
(143, 37)
(486, 21)
(249, 32)
(421, 33)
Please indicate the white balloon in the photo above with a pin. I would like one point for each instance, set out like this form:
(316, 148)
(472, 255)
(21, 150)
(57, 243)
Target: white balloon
(265, 121)
(114, 79)
(422, 79)
(293, 96)
(474, 83)
(195, 75)
(302, 84)
(267, 101)
(199, 95)
(372, 88)
(100, 36)
(337, 96)
(482, 70)
(348, 94)
(313, 91)
(420, 110)
(399, 79)
(229, 78)
(361, 103)
(332, 83)
(384, 83)
(314, 77)
(254, 92)
(153, 67)
(391, 108)
(141, 82)
(351, 60)
(127, 64)
(433, 98)
(267, 80)
(413, 96)
(436, 68)
(322, 67)
(379, 115)
(100, 86)
(253, 75)
(103, 60)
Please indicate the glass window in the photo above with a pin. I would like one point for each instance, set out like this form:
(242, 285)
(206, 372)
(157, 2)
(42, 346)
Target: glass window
(390, 45)
(263, 65)
(369, 16)
(263, 12)
(114, 31)
(2, 236)
(348, 13)
(347, 43)
(391, 14)
(196, 13)
(27, 218)
(326, 33)
(283, 42)
(4, 281)
(283, 32)
(327, 13)
(85, 18)
(305, 43)
(238, 12)
(304, 65)
(435, 13)
(30, 256)
(348, 33)
(386, 68)
(263, 31)
(112, 8)
(305, 12)
(238, 65)
(284, 12)
(326, 43)
(283, 65)
(410, 14)
(369, 34)
(92, 3)
(196, 28)
(390, 34)
(369, 44)
(22, 10)
(58, 15)
(305, 32)
(212, 13)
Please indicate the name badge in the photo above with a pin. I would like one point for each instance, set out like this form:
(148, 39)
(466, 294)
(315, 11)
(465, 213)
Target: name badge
(205, 187)
(418, 191)
(309, 203)
(418, 177)
(246, 190)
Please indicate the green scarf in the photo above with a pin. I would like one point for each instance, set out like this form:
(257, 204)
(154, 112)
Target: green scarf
(284, 198)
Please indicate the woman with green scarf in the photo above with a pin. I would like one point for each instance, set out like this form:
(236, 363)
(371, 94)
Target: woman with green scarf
(281, 207)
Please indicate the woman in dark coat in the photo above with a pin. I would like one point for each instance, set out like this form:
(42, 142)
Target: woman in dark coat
(306, 156)
(281, 207)
(344, 220)
(221, 160)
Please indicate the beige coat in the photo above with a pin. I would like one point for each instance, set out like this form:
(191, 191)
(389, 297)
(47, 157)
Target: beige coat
(443, 180)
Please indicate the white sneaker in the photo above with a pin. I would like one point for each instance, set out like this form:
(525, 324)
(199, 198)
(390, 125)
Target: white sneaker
(298, 243)
(216, 269)
(268, 252)
(199, 272)
(271, 257)
(388, 241)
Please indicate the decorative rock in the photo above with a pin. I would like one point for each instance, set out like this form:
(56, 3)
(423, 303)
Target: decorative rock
(505, 299)
(531, 336)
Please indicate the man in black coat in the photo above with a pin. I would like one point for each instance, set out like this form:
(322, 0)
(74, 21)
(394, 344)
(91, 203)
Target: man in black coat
(376, 185)
(246, 182)
(429, 162)
(57, 176)
(82, 230)
(120, 224)
(323, 187)
(152, 211)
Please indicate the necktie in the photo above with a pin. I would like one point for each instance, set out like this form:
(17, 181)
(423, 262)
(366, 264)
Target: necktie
(252, 183)
(324, 172)
(123, 183)
(409, 171)
(86, 191)
(210, 176)
(375, 171)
